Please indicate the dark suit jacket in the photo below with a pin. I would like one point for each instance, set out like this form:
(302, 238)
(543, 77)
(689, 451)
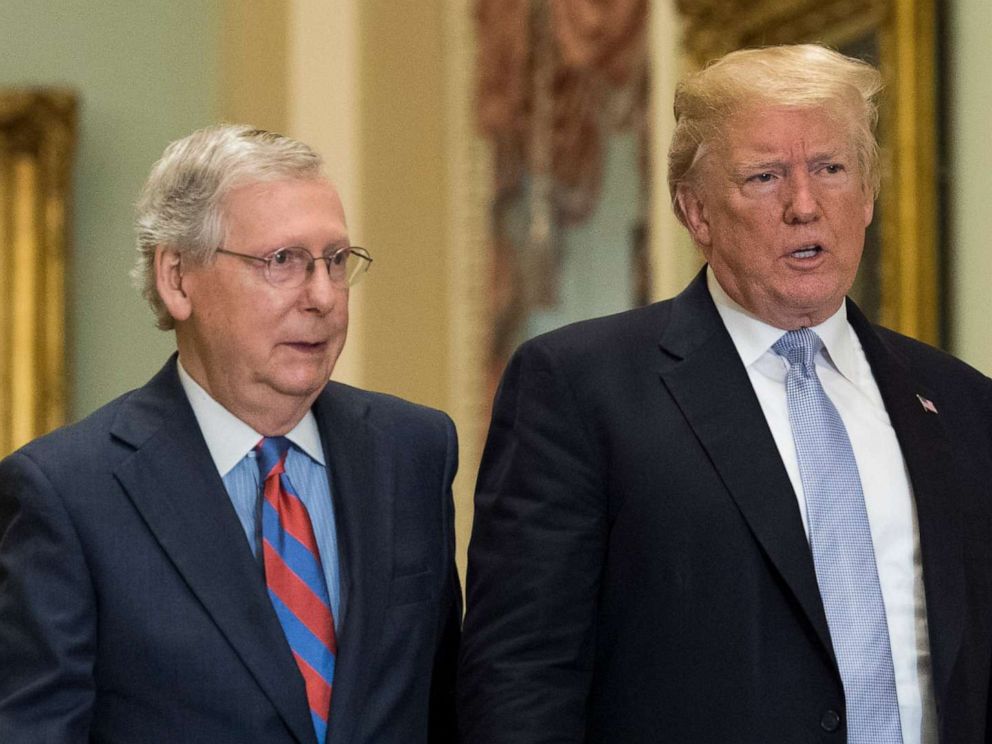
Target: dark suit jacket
(638, 570)
(132, 610)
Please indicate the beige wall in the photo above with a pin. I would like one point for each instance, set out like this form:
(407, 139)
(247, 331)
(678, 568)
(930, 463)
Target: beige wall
(253, 65)
(970, 274)
(404, 190)
(674, 259)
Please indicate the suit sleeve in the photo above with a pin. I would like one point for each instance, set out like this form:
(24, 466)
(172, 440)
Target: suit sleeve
(442, 725)
(535, 560)
(47, 614)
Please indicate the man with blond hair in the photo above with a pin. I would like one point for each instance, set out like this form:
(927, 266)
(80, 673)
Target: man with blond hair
(744, 515)
(239, 551)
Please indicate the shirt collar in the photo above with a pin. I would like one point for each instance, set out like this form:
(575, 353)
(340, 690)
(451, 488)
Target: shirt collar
(753, 337)
(229, 438)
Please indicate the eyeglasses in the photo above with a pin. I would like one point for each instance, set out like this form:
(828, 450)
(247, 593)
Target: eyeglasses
(291, 267)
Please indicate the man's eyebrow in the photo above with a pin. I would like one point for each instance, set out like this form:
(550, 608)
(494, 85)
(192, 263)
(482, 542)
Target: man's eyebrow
(838, 154)
(751, 166)
(294, 241)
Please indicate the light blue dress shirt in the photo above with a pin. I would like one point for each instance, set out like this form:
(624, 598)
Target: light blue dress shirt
(231, 443)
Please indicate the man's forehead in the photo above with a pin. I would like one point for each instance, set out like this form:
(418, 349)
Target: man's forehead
(275, 193)
(761, 117)
(772, 132)
(285, 211)
(769, 153)
(264, 186)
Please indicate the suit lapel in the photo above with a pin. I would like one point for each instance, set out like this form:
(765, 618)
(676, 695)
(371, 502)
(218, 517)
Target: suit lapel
(702, 372)
(704, 375)
(362, 487)
(174, 484)
(927, 452)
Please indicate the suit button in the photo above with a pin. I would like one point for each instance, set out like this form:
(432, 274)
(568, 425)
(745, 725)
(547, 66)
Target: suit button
(830, 721)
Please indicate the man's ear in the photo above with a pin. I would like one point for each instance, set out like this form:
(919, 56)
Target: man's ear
(695, 214)
(169, 282)
(869, 208)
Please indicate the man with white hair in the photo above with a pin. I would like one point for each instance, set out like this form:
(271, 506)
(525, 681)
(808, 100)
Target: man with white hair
(745, 514)
(239, 551)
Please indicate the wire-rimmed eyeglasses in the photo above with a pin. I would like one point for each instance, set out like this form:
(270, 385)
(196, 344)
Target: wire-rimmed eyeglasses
(291, 267)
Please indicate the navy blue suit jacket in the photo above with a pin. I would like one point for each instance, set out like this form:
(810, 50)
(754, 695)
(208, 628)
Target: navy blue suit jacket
(638, 570)
(132, 610)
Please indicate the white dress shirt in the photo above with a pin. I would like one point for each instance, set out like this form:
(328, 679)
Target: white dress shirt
(848, 382)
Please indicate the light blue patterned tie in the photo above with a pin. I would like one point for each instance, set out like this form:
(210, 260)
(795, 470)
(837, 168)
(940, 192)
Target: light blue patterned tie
(843, 554)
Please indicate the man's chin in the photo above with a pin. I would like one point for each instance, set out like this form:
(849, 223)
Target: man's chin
(302, 385)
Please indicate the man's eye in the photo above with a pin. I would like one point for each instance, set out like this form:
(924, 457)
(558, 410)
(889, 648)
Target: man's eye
(762, 178)
(290, 257)
(833, 168)
(340, 257)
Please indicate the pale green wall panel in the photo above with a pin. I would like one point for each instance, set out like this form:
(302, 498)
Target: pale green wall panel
(146, 73)
(970, 124)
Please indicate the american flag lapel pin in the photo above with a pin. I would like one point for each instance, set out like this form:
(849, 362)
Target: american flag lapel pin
(927, 404)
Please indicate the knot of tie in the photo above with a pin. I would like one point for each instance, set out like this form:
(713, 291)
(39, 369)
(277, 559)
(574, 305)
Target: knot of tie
(798, 347)
(272, 455)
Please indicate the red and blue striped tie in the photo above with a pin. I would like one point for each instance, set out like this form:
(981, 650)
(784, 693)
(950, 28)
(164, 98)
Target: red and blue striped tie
(296, 581)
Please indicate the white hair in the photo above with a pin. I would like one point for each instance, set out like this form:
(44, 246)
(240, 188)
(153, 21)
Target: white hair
(181, 204)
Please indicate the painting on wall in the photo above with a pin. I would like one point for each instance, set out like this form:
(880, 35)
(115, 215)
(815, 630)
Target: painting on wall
(562, 98)
(899, 284)
(37, 141)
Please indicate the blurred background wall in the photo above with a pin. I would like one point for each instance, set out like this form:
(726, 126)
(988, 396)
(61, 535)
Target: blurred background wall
(385, 91)
(969, 164)
(146, 72)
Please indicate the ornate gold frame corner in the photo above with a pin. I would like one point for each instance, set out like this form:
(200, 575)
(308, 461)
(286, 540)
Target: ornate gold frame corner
(37, 145)
(905, 32)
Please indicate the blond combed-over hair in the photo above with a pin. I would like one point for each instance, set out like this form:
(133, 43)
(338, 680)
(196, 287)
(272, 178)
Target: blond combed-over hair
(800, 76)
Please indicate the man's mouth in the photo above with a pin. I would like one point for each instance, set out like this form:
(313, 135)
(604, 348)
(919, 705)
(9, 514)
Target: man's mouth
(307, 345)
(807, 251)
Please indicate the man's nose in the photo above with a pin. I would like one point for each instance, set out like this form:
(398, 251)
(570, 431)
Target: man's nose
(802, 204)
(320, 291)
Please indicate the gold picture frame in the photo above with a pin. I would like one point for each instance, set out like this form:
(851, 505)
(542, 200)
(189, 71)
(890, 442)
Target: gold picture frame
(37, 143)
(900, 277)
